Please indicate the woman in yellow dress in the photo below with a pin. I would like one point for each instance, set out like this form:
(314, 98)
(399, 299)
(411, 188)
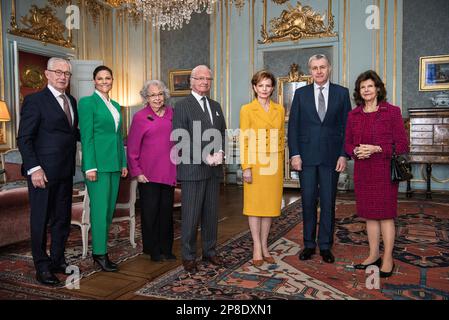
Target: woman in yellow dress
(262, 160)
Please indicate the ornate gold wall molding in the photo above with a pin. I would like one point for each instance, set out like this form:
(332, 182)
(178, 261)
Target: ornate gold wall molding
(300, 22)
(279, 1)
(40, 24)
(239, 4)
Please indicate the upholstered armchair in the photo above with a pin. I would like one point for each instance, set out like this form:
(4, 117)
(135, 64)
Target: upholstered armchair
(14, 204)
(124, 211)
(125, 206)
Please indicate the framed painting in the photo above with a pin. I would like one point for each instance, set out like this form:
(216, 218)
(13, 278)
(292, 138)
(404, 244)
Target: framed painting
(179, 82)
(434, 73)
(286, 90)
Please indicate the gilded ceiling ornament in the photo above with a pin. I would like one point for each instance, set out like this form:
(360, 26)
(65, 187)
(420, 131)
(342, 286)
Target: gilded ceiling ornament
(94, 9)
(43, 25)
(170, 14)
(58, 3)
(33, 76)
(300, 22)
(279, 1)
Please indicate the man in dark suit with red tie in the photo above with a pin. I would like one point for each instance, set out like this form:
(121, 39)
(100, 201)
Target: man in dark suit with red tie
(48, 132)
(316, 131)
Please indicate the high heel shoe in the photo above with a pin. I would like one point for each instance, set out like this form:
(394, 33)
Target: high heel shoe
(383, 274)
(257, 263)
(105, 263)
(269, 260)
(362, 266)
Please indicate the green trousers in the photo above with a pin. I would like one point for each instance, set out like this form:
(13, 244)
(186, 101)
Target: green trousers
(103, 196)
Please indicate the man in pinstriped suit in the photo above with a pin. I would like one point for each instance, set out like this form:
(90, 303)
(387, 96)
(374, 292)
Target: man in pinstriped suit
(197, 118)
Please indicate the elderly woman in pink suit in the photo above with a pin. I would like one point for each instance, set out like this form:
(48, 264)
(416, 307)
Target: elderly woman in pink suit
(372, 129)
(148, 152)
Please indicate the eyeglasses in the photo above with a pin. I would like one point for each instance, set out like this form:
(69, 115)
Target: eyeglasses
(155, 95)
(60, 73)
(203, 79)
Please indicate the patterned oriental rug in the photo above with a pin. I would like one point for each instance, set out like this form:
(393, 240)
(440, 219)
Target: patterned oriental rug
(421, 256)
(17, 273)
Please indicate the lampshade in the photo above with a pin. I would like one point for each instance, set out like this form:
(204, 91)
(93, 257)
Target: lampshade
(4, 113)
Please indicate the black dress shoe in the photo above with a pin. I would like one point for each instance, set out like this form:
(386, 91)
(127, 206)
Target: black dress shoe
(214, 260)
(47, 278)
(105, 263)
(306, 253)
(189, 266)
(112, 264)
(61, 268)
(383, 274)
(362, 266)
(327, 256)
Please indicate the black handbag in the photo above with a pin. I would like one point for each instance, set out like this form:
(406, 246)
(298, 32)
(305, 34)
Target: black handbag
(400, 168)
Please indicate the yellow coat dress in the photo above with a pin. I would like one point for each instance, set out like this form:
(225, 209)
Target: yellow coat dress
(262, 150)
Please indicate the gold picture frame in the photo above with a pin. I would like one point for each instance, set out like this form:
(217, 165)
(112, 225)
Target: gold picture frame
(434, 73)
(179, 82)
(286, 90)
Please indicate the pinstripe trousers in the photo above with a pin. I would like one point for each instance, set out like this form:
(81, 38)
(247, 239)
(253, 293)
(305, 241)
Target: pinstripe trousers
(199, 202)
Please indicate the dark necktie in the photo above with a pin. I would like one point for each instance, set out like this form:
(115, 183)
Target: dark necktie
(206, 108)
(321, 105)
(67, 108)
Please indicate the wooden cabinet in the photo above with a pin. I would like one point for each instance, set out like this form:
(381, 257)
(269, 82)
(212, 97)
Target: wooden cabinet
(429, 140)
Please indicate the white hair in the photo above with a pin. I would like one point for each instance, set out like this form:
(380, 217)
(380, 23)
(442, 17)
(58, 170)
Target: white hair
(201, 66)
(161, 85)
(318, 57)
(54, 60)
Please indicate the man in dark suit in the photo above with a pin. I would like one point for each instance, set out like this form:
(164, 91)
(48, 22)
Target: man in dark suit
(48, 132)
(199, 130)
(316, 130)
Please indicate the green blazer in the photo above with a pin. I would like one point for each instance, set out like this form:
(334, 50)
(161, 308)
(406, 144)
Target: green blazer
(102, 146)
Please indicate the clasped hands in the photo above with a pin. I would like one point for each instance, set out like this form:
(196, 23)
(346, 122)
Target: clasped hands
(364, 151)
(214, 159)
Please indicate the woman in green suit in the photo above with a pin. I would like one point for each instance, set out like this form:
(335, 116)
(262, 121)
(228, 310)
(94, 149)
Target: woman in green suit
(103, 160)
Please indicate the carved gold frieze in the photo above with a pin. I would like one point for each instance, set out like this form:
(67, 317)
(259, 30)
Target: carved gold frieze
(239, 4)
(43, 25)
(58, 3)
(33, 76)
(280, 1)
(300, 22)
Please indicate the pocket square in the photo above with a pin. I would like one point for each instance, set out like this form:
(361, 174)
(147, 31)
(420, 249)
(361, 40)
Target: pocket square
(217, 114)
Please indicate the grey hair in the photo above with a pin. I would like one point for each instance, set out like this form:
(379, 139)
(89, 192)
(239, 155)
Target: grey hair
(157, 83)
(53, 60)
(318, 57)
(201, 66)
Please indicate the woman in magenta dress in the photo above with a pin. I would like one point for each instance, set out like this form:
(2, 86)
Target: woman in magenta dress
(149, 148)
(372, 129)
